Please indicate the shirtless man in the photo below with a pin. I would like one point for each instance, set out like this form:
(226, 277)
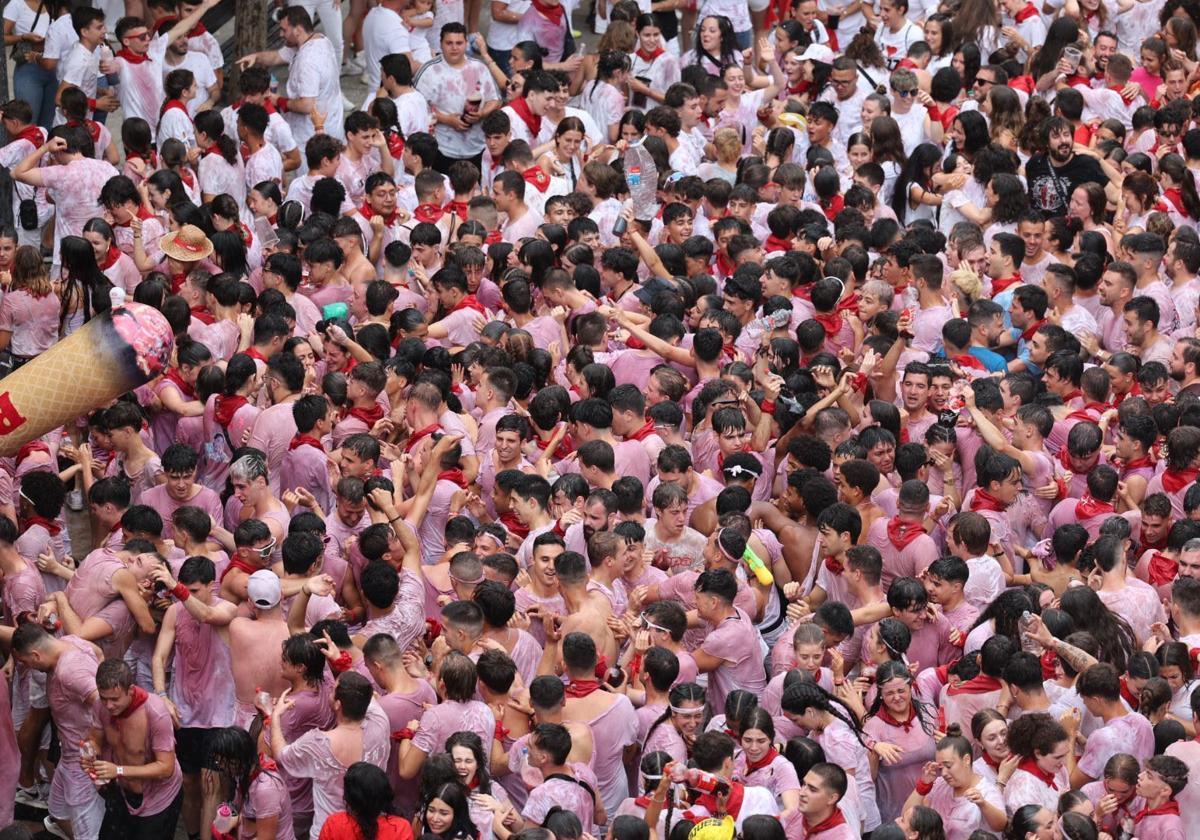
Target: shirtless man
(134, 728)
(587, 612)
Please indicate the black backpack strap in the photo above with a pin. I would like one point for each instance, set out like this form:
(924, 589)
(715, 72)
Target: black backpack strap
(580, 782)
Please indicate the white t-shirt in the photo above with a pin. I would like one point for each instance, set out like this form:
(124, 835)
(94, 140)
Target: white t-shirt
(894, 45)
(218, 176)
(27, 20)
(141, 88)
(202, 69)
(384, 33)
(912, 127)
(446, 88)
(503, 36)
(412, 112)
(314, 72)
(59, 39)
(278, 133)
(80, 67)
(178, 125)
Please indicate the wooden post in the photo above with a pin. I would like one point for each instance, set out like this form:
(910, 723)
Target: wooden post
(250, 36)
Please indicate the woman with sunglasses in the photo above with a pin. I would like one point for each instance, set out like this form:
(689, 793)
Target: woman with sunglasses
(676, 729)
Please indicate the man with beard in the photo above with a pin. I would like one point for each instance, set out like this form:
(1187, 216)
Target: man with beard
(1053, 177)
(1185, 366)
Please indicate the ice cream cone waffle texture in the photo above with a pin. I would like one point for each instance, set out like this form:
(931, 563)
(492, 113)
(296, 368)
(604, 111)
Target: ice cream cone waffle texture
(109, 355)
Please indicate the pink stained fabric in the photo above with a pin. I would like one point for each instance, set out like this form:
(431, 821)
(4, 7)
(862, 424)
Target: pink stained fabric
(202, 677)
(907, 562)
(157, 794)
(308, 467)
(70, 690)
(895, 781)
(612, 731)
(158, 498)
(268, 797)
(1024, 788)
(567, 794)
(1131, 733)
(272, 431)
(734, 640)
(961, 816)
(450, 716)
(313, 710)
(843, 748)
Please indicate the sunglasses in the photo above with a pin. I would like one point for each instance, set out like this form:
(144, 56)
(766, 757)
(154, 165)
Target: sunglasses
(981, 81)
(906, 93)
(266, 550)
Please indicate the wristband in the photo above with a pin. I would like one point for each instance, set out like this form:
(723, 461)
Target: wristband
(266, 720)
(935, 113)
(500, 733)
(768, 406)
(404, 734)
(181, 592)
(91, 103)
(281, 104)
(923, 787)
(120, 770)
(859, 382)
(343, 663)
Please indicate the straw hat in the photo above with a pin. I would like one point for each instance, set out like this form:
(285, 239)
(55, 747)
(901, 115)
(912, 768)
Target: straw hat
(188, 244)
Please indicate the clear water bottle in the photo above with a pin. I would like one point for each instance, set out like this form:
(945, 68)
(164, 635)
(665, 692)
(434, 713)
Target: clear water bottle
(262, 699)
(1024, 624)
(111, 80)
(226, 818)
(642, 177)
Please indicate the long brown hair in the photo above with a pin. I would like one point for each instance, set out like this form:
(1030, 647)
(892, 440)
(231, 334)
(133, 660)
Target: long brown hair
(29, 272)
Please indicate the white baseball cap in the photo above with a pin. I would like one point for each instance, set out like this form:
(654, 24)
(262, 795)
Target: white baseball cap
(817, 52)
(263, 589)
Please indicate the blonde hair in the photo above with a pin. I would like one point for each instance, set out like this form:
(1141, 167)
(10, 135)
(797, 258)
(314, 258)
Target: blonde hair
(728, 144)
(967, 282)
(29, 272)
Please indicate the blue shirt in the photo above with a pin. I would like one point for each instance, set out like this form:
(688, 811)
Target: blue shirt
(994, 362)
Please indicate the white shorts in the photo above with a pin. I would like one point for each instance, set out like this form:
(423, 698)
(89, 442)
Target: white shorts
(74, 797)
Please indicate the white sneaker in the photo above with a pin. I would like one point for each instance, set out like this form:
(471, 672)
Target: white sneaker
(351, 66)
(75, 500)
(31, 797)
(347, 104)
(52, 827)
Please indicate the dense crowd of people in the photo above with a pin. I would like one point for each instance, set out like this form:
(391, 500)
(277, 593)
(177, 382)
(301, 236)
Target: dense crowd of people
(780, 422)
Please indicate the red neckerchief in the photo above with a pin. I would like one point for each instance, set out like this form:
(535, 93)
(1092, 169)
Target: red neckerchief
(1127, 694)
(835, 206)
(132, 57)
(1167, 808)
(994, 763)
(1026, 13)
(247, 237)
(983, 500)
(1128, 100)
(93, 128)
(456, 476)
(1028, 333)
(848, 304)
(1003, 283)
(33, 134)
(649, 57)
(52, 527)
(981, 684)
(458, 208)
(885, 715)
(203, 316)
(1073, 395)
(1049, 660)
(430, 213)
(253, 353)
(241, 565)
(642, 433)
(214, 149)
(1030, 765)
(1175, 480)
(370, 416)
(798, 88)
(1085, 414)
(582, 688)
(226, 407)
(140, 696)
(565, 446)
(1064, 458)
(1143, 463)
(835, 819)
(554, 13)
(174, 104)
(831, 321)
(533, 122)
(535, 177)
(493, 237)
(1135, 391)
(142, 213)
(771, 755)
(966, 360)
(834, 565)
(110, 259)
(1175, 196)
(903, 533)
(724, 265)
(390, 219)
(1087, 507)
(469, 302)
(775, 244)
(733, 804)
(29, 448)
(1162, 570)
(185, 175)
(305, 440)
(172, 375)
(395, 144)
(417, 436)
(721, 456)
(642, 802)
(513, 525)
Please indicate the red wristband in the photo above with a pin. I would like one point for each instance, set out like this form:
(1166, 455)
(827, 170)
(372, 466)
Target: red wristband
(935, 113)
(181, 592)
(768, 406)
(342, 664)
(924, 787)
(404, 734)
(91, 103)
(281, 104)
(859, 382)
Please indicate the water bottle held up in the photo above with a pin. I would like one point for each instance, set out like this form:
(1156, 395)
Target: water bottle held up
(641, 175)
(1024, 625)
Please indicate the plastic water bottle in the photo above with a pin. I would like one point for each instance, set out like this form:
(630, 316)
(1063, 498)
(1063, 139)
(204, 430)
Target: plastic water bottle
(116, 297)
(1024, 623)
(262, 699)
(642, 177)
(226, 818)
(531, 776)
(112, 80)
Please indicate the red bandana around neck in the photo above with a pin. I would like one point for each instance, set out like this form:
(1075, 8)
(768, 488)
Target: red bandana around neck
(1166, 809)
(649, 57)
(1032, 328)
(1128, 100)
(1003, 283)
(419, 435)
(771, 755)
(968, 361)
(554, 13)
(110, 259)
(1175, 196)
(642, 433)
(305, 440)
(430, 213)
(1128, 695)
(226, 407)
(33, 134)
(831, 321)
(983, 500)
(370, 416)
(1175, 480)
(52, 527)
(1087, 507)
(902, 533)
(733, 804)
(582, 688)
(456, 476)
(390, 219)
(536, 178)
(469, 302)
(775, 244)
(1026, 13)
(132, 57)
(520, 107)
(833, 821)
(834, 565)
(1030, 765)
(981, 684)
(458, 208)
(140, 696)
(175, 105)
(172, 375)
(885, 715)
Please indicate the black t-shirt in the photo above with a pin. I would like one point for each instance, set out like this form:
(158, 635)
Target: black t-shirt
(1050, 187)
